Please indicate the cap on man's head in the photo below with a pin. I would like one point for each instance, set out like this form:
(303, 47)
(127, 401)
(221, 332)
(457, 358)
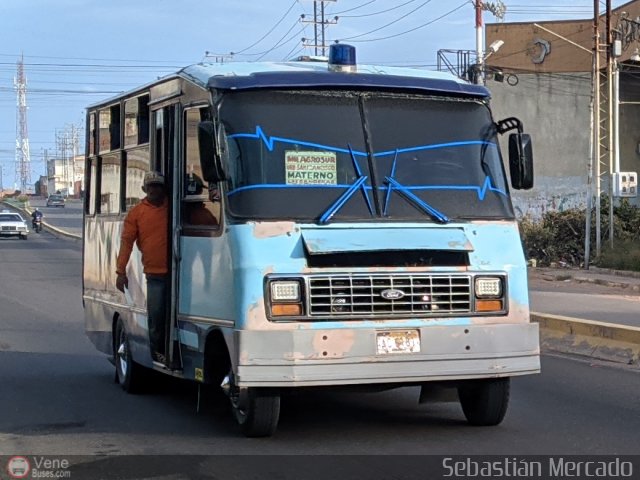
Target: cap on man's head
(151, 178)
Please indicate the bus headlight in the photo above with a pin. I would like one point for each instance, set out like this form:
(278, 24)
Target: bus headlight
(489, 294)
(286, 298)
(488, 287)
(285, 291)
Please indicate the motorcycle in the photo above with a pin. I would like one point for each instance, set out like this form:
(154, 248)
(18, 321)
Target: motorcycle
(37, 224)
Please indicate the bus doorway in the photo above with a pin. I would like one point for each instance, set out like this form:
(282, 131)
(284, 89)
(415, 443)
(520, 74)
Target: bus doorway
(164, 153)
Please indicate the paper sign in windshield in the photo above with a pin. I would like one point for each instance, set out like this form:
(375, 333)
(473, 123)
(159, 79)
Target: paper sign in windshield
(311, 168)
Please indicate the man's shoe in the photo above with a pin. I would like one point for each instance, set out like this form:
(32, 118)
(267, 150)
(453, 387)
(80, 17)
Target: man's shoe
(159, 357)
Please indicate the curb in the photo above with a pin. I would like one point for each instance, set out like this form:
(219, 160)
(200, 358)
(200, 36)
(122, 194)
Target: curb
(598, 340)
(48, 226)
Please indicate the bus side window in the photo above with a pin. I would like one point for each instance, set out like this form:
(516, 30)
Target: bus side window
(201, 206)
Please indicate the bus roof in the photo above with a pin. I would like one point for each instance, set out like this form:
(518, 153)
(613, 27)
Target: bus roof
(314, 73)
(307, 74)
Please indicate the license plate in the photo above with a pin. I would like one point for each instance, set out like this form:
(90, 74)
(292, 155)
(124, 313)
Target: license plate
(398, 341)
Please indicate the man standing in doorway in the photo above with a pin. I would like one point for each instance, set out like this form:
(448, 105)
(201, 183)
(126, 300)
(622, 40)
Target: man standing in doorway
(147, 225)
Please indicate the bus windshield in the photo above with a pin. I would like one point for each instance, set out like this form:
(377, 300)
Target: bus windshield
(353, 156)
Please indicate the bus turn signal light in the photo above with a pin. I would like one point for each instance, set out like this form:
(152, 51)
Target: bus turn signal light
(488, 305)
(286, 310)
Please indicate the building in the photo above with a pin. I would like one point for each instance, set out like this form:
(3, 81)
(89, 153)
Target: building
(542, 75)
(66, 176)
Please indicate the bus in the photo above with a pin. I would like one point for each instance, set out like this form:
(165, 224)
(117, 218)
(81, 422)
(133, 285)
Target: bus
(331, 225)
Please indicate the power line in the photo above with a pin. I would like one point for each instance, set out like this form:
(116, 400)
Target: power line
(269, 32)
(281, 42)
(379, 12)
(415, 28)
(354, 8)
(390, 23)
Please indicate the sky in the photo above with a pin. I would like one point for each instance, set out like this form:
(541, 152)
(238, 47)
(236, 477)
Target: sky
(78, 52)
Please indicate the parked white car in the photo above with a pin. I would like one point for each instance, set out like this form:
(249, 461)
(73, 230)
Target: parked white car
(12, 224)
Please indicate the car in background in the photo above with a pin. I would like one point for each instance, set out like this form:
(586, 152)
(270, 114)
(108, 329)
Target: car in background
(55, 200)
(13, 225)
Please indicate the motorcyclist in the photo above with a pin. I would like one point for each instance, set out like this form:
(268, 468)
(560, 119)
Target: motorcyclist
(36, 216)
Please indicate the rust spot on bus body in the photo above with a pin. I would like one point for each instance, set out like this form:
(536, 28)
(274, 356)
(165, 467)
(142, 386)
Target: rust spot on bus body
(273, 229)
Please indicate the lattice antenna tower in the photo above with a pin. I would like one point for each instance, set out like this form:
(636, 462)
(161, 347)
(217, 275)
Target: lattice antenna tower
(23, 156)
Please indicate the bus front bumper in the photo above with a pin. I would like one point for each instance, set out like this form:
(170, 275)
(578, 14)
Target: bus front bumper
(349, 356)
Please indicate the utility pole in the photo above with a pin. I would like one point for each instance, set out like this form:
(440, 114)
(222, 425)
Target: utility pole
(498, 9)
(319, 33)
(479, 52)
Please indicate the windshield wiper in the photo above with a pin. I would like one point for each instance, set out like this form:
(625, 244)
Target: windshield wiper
(417, 201)
(409, 195)
(344, 198)
(338, 204)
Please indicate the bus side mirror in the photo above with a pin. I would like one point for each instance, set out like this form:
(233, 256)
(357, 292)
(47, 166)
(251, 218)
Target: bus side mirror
(521, 161)
(210, 161)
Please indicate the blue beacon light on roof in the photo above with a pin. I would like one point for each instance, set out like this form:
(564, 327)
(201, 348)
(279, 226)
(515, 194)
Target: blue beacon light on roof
(342, 58)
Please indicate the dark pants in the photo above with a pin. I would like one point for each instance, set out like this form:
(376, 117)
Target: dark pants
(157, 310)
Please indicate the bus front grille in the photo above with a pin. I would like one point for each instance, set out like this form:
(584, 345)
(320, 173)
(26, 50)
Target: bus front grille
(389, 295)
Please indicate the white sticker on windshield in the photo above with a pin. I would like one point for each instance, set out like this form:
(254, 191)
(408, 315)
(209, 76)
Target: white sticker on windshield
(310, 168)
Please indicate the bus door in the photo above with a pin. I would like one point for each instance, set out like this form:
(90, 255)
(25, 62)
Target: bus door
(199, 227)
(165, 151)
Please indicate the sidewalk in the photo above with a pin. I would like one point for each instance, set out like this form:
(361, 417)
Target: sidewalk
(599, 276)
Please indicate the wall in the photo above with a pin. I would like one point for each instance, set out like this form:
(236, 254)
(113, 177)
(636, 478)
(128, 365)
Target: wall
(554, 109)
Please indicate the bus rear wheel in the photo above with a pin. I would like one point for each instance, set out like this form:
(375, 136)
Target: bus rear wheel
(131, 376)
(259, 411)
(485, 402)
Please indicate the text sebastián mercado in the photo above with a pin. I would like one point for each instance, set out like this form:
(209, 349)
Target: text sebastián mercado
(523, 468)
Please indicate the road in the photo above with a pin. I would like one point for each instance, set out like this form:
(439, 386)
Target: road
(68, 218)
(58, 396)
(587, 301)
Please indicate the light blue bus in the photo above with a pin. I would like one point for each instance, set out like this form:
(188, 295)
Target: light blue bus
(331, 225)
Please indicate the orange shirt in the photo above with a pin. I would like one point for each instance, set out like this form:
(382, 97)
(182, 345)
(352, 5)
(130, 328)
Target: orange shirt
(146, 225)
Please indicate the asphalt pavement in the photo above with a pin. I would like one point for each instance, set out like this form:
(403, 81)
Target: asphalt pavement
(594, 294)
(68, 219)
(58, 396)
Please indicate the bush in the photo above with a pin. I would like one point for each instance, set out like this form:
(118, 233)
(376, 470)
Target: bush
(559, 237)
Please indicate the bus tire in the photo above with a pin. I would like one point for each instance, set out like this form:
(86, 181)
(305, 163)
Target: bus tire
(130, 375)
(485, 402)
(259, 417)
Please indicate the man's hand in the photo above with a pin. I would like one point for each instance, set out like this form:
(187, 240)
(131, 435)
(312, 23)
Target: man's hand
(122, 282)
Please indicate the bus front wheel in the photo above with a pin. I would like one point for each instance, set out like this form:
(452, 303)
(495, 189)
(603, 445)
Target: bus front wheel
(257, 412)
(485, 402)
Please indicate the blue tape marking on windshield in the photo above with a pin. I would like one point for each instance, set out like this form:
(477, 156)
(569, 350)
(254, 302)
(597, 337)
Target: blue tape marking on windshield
(434, 146)
(270, 141)
(481, 191)
(359, 172)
